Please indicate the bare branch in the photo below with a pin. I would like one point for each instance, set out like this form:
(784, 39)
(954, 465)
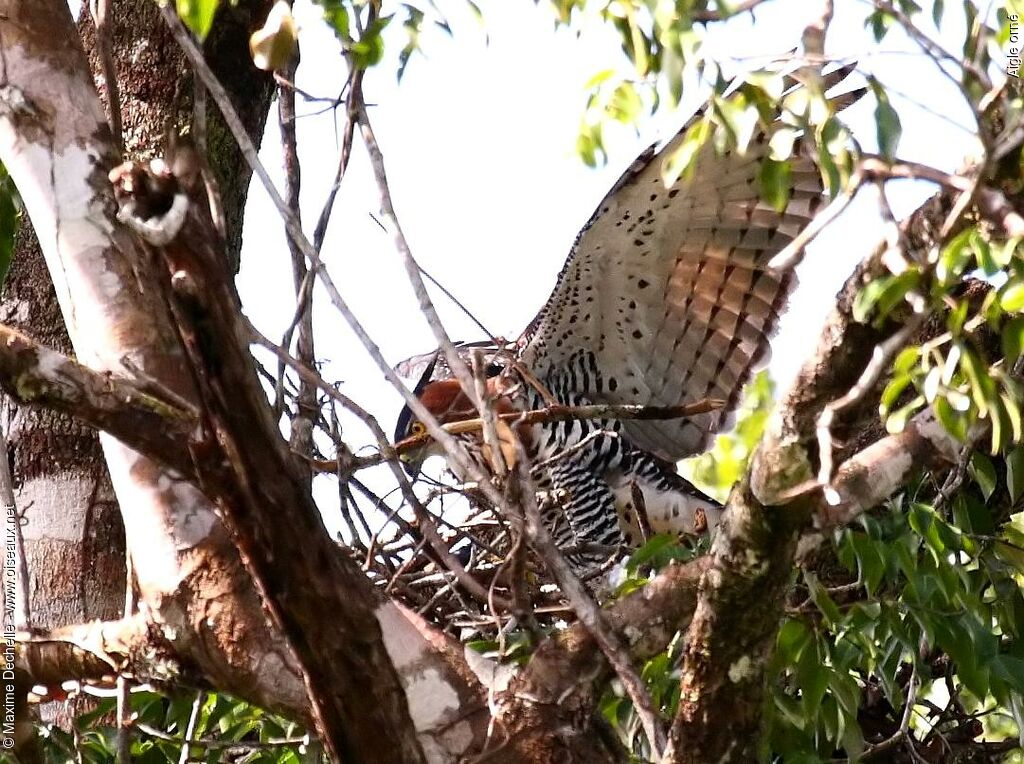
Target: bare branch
(412, 269)
(34, 375)
(871, 476)
(93, 652)
(880, 359)
(354, 86)
(553, 413)
(306, 401)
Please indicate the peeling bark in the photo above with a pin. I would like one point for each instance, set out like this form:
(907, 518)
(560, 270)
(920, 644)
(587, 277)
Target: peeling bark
(156, 89)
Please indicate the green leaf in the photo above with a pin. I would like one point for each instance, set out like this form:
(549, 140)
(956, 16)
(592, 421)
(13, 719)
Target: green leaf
(892, 392)
(197, 15)
(793, 637)
(813, 677)
(681, 163)
(879, 21)
(625, 105)
(954, 421)
(821, 599)
(883, 294)
(1015, 473)
(955, 257)
(896, 422)
(8, 223)
(923, 521)
(661, 549)
(982, 386)
(1012, 413)
(1011, 669)
(906, 360)
(599, 79)
(887, 125)
(870, 563)
(775, 183)
(590, 144)
(984, 474)
(1012, 339)
(368, 50)
(983, 253)
(336, 16)
(1011, 299)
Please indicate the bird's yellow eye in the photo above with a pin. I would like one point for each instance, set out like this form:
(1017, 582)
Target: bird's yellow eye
(417, 428)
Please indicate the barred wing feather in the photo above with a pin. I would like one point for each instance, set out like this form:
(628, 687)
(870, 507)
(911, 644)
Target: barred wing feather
(669, 288)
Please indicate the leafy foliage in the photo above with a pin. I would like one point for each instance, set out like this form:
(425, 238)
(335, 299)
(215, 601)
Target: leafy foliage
(923, 603)
(10, 219)
(197, 15)
(221, 729)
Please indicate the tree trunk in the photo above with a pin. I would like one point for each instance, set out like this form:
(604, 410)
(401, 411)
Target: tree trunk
(74, 538)
(73, 532)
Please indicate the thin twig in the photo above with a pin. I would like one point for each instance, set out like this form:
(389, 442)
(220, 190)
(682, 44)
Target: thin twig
(933, 49)
(878, 364)
(456, 450)
(412, 269)
(190, 727)
(242, 745)
(559, 413)
(793, 253)
(492, 440)
(904, 730)
(466, 311)
(354, 85)
(588, 612)
(98, 10)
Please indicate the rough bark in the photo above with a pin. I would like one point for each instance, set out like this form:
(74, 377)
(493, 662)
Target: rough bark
(73, 532)
(74, 538)
(156, 90)
(548, 708)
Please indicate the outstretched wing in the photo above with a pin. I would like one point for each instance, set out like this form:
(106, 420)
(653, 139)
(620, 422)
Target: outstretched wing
(669, 289)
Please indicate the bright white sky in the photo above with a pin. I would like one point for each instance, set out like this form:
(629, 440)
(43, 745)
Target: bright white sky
(479, 144)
